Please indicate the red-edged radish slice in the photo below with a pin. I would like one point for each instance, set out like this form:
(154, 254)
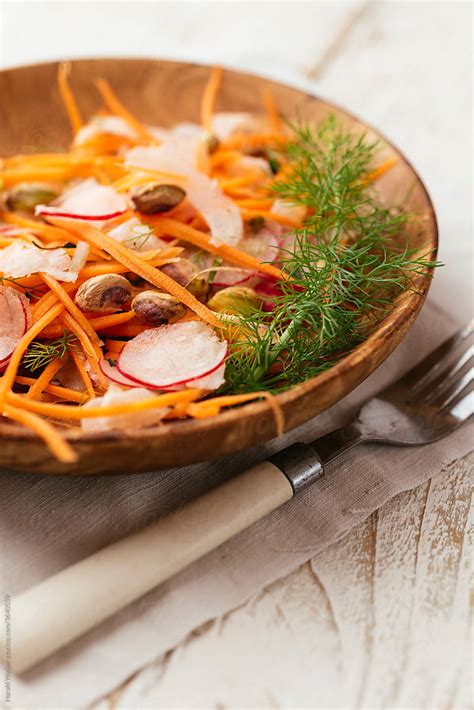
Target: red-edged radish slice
(14, 320)
(89, 200)
(172, 355)
(113, 374)
(48, 212)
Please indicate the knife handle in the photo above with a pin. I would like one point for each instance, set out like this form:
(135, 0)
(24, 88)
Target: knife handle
(53, 613)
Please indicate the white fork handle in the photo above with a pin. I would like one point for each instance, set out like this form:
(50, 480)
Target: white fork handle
(58, 610)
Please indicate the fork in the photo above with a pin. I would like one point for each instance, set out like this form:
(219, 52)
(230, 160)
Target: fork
(429, 402)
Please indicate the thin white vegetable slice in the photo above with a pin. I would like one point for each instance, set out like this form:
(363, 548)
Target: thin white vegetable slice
(23, 259)
(134, 420)
(14, 321)
(113, 374)
(172, 355)
(88, 199)
(178, 156)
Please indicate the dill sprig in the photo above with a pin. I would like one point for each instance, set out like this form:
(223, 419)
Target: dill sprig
(346, 265)
(41, 354)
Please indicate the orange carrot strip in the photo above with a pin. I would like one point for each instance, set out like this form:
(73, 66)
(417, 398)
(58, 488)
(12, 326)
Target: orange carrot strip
(378, 172)
(115, 106)
(56, 174)
(271, 109)
(139, 266)
(114, 267)
(212, 407)
(83, 372)
(114, 319)
(52, 438)
(239, 140)
(231, 183)
(125, 331)
(102, 323)
(45, 378)
(12, 367)
(46, 231)
(114, 346)
(209, 97)
(56, 390)
(67, 96)
(64, 411)
(77, 314)
(91, 354)
(201, 240)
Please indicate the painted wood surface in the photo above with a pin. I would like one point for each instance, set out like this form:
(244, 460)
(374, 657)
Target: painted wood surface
(379, 619)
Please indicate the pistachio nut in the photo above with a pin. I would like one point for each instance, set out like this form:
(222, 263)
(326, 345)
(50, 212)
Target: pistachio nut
(153, 199)
(157, 308)
(103, 294)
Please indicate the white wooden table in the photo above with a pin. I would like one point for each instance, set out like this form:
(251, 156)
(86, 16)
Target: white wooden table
(379, 619)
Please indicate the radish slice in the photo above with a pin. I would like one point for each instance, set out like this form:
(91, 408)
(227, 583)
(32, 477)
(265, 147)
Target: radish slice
(98, 125)
(134, 420)
(90, 201)
(23, 259)
(79, 258)
(48, 212)
(14, 321)
(229, 276)
(113, 374)
(172, 355)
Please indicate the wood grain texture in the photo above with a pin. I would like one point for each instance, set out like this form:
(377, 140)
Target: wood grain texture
(31, 117)
(379, 619)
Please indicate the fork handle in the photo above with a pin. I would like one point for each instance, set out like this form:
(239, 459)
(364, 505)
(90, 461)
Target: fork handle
(58, 610)
(332, 445)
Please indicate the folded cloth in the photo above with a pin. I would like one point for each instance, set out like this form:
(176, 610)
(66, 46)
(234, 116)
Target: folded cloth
(47, 523)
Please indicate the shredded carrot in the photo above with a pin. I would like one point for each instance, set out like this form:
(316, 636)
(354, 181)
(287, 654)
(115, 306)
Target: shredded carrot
(68, 97)
(56, 443)
(114, 267)
(209, 97)
(378, 172)
(45, 378)
(114, 346)
(115, 106)
(79, 363)
(114, 319)
(271, 109)
(232, 183)
(64, 411)
(74, 311)
(56, 390)
(125, 331)
(183, 231)
(12, 367)
(241, 140)
(212, 407)
(134, 263)
(92, 355)
(47, 231)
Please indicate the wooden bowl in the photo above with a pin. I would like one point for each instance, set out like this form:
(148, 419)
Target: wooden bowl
(162, 93)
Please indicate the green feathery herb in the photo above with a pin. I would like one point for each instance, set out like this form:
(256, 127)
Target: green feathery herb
(40, 354)
(346, 265)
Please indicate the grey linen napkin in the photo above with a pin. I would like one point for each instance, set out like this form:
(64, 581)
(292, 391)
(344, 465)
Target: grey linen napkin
(49, 523)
